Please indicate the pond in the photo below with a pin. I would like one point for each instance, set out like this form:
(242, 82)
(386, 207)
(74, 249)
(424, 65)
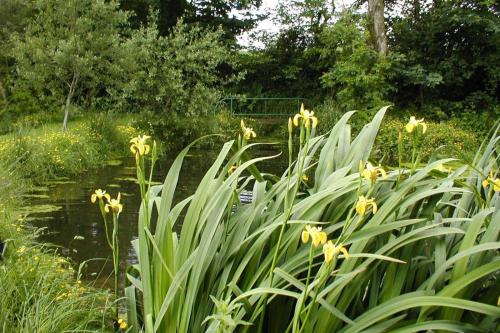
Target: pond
(74, 225)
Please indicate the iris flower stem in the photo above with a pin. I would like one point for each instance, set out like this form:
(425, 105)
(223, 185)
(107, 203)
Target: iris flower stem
(400, 157)
(296, 320)
(413, 153)
(315, 296)
(105, 218)
(288, 213)
(115, 249)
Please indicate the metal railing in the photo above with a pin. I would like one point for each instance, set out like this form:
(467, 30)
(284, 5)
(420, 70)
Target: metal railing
(259, 106)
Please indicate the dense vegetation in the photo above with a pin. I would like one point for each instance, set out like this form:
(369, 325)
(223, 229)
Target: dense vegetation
(41, 291)
(405, 250)
(409, 243)
(175, 58)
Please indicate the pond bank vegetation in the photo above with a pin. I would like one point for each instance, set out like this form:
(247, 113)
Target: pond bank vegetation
(400, 249)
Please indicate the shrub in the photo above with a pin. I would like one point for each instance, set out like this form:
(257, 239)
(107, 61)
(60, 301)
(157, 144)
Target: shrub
(358, 76)
(177, 74)
(441, 140)
(447, 138)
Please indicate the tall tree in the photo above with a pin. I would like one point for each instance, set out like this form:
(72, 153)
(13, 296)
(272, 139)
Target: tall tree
(71, 49)
(233, 16)
(376, 25)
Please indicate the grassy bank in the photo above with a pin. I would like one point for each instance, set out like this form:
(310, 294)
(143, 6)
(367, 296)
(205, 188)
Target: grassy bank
(40, 290)
(47, 151)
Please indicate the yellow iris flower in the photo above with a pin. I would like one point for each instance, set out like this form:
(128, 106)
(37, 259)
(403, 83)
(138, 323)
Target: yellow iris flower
(414, 123)
(330, 251)
(363, 204)
(248, 132)
(122, 323)
(307, 117)
(494, 181)
(114, 205)
(318, 237)
(139, 145)
(370, 172)
(442, 168)
(99, 194)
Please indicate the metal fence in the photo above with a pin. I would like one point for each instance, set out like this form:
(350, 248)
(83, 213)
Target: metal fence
(259, 106)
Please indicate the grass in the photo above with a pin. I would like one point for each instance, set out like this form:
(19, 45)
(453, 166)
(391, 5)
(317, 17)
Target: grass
(46, 151)
(40, 291)
(426, 260)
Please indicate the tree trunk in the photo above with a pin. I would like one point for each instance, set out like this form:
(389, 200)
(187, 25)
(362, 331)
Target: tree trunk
(376, 25)
(3, 93)
(71, 91)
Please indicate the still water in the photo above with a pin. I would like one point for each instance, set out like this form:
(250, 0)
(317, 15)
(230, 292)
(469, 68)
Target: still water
(74, 225)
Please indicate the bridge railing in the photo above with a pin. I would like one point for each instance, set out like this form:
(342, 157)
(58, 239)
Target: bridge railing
(259, 106)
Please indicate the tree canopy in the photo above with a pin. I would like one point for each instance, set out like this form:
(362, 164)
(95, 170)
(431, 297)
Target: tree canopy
(435, 57)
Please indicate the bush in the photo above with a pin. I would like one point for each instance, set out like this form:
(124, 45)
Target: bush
(442, 139)
(177, 74)
(449, 138)
(358, 75)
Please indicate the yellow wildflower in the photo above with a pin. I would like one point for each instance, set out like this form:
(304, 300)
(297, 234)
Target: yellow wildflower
(248, 132)
(122, 324)
(370, 172)
(318, 237)
(22, 249)
(115, 205)
(307, 117)
(139, 145)
(330, 251)
(99, 194)
(494, 181)
(414, 123)
(305, 178)
(363, 204)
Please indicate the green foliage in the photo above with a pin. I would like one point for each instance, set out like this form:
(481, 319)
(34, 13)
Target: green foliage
(449, 52)
(40, 291)
(178, 78)
(358, 74)
(221, 14)
(71, 52)
(446, 139)
(427, 258)
(47, 151)
(177, 74)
